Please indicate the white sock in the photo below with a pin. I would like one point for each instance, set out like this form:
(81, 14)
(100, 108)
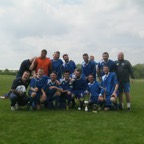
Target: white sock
(128, 105)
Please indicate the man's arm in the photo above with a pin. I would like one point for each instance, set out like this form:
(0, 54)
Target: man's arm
(130, 69)
(57, 88)
(115, 90)
(17, 93)
(33, 65)
(116, 85)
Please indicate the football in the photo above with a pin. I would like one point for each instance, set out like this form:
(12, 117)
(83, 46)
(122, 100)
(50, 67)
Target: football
(21, 88)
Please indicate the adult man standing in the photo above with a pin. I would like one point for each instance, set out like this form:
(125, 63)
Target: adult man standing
(92, 58)
(25, 66)
(124, 71)
(88, 67)
(43, 62)
(18, 95)
(68, 65)
(105, 61)
(56, 64)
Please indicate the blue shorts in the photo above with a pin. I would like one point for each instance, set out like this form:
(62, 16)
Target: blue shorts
(78, 93)
(124, 87)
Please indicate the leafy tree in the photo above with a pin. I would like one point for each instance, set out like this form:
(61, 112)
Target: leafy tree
(139, 71)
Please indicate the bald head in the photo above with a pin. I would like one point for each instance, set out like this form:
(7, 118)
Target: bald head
(120, 56)
(91, 58)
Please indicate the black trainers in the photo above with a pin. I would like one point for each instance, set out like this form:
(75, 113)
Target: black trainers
(128, 109)
(95, 108)
(28, 106)
(120, 106)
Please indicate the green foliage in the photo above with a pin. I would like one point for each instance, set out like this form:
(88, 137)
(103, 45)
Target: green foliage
(139, 71)
(78, 66)
(8, 72)
(72, 127)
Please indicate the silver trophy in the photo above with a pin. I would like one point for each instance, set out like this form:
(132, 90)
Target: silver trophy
(86, 106)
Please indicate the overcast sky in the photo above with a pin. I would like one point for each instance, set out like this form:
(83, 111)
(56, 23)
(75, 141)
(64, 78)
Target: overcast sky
(70, 26)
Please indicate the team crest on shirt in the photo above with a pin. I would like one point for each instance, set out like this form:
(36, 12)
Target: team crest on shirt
(117, 64)
(123, 64)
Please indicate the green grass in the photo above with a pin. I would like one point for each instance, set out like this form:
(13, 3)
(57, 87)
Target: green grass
(72, 127)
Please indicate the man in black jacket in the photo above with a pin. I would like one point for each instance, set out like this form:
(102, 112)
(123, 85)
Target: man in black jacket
(124, 71)
(17, 94)
(25, 66)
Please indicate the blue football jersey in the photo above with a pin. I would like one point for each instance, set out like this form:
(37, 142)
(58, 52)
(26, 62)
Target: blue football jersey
(88, 68)
(38, 82)
(56, 66)
(65, 84)
(94, 89)
(111, 64)
(69, 66)
(48, 84)
(79, 84)
(108, 82)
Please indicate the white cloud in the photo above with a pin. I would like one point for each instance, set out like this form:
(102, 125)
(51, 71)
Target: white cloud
(70, 26)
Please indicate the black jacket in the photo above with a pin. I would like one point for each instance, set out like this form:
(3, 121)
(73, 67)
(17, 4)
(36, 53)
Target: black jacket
(124, 70)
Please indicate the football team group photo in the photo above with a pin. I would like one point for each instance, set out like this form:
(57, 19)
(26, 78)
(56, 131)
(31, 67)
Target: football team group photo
(60, 84)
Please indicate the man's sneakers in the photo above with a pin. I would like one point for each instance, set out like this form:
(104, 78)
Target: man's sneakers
(95, 108)
(32, 106)
(120, 106)
(29, 106)
(16, 107)
(128, 109)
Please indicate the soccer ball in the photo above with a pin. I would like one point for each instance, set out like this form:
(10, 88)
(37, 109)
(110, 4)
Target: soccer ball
(21, 88)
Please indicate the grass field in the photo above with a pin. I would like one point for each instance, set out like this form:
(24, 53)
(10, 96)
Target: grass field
(72, 127)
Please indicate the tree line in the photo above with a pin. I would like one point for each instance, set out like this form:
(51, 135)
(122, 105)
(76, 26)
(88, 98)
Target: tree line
(138, 71)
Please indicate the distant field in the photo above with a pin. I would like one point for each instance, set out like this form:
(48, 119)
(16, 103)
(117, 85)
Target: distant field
(72, 127)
